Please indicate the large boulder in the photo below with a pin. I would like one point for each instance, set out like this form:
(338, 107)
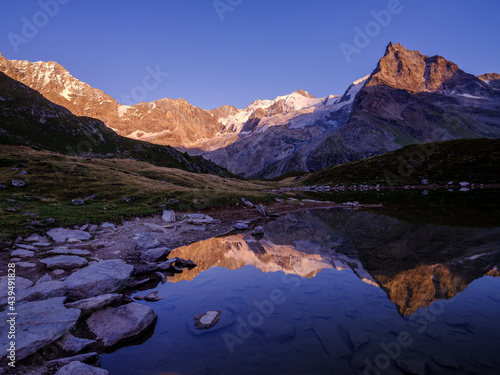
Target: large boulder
(98, 278)
(38, 324)
(66, 262)
(79, 368)
(61, 234)
(116, 325)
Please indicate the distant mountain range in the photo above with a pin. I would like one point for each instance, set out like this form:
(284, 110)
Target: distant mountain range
(409, 98)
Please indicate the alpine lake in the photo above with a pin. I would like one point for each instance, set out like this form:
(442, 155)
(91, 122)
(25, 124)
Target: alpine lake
(412, 287)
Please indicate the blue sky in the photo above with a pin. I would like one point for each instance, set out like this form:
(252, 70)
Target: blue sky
(248, 49)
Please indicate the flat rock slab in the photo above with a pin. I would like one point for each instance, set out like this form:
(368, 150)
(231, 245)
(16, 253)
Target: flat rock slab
(95, 303)
(36, 238)
(26, 264)
(66, 262)
(61, 234)
(115, 325)
(79, 368)
(98, 278)
(38, 324)
(22, 253)
(21, 284)
(26, 247)
(49, 289)
(63, 251)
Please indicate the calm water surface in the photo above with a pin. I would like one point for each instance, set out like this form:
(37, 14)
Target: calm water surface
(330, 292)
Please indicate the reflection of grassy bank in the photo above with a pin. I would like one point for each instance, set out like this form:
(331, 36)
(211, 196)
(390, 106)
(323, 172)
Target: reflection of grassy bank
(474, 208)
(123, 188)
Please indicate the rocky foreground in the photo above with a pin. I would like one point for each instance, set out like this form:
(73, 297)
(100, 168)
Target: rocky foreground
(73, 286)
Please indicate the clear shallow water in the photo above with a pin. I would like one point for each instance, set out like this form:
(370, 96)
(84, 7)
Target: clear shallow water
(330, 292)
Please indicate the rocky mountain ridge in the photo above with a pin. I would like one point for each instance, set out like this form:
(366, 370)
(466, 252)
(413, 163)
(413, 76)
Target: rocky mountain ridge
(408, 98)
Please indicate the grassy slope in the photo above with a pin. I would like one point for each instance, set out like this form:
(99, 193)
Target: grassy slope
(472, 160)
(53, 180)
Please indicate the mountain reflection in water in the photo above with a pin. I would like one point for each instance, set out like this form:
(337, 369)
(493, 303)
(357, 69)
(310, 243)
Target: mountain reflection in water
(415, 264)
(329, 292)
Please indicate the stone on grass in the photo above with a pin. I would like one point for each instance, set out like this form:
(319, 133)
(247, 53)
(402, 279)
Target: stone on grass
(72, 344)
(66, 262)
(115, 325)
(168, 216)
(79, 368)
(41, 323)
(61, 234)
(247, 202)
(18, 183)
(154, 254)
(98, 278)
(207, 320)
(92, 304)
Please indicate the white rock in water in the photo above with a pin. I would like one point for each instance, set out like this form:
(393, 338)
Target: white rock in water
(464, 184)
(209, 317)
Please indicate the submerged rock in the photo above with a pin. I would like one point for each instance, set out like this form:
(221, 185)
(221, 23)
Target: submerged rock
(207, 320)
(115, 325)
